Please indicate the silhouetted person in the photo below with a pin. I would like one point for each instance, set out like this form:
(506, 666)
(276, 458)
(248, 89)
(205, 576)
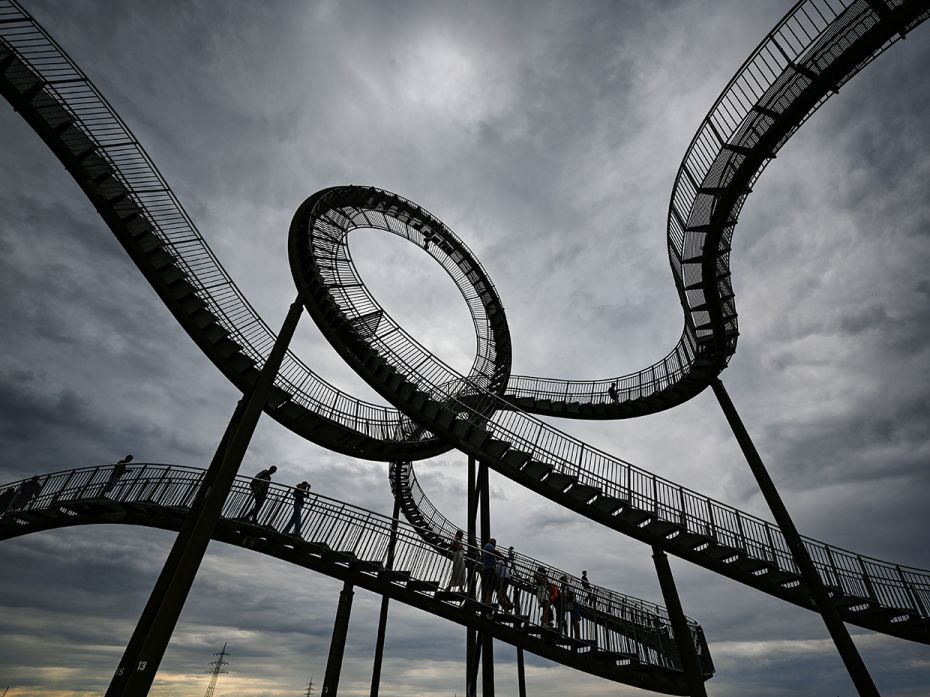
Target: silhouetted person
(119, 469)
(505, 568)
(586, 585)
(300, 495)
(259, 486)
(488, 570)
(541, 584)
(28, 491)
(612, 392)
(457, 547)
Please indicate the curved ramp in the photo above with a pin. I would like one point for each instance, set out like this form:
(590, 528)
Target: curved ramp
(812, 52)
(628, 641)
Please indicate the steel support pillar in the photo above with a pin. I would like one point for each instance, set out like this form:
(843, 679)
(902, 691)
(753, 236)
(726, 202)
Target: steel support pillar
(382, 622)
(686, 651)
(471, 649)
(840, 635)
(487, 644)
(146, 647)
(521, 670)
(337, 644)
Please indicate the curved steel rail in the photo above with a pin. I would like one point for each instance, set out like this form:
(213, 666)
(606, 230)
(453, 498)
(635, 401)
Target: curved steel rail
(64, 108)
(804, 60)
(628, 641)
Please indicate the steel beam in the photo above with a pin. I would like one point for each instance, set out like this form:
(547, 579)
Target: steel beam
(337, 644)
(686, 650)
(824, 605)
(146, 647)
(382, 621)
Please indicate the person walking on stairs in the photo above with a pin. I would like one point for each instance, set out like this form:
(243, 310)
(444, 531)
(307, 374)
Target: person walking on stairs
(259, 486)
(300, 494)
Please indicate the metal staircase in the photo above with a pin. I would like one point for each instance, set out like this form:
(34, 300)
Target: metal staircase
(625, 639)
(869, 592)
(813, 51)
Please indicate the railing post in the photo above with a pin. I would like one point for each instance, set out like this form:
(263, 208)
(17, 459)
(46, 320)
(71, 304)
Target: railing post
(140, 661)
(822, 601)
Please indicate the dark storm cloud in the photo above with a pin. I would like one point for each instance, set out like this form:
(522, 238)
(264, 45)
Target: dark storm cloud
(547, 136)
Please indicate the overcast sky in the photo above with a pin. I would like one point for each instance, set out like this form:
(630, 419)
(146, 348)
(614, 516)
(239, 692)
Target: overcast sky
(547, 136)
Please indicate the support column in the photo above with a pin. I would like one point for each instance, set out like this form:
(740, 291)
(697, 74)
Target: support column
(686, 650)
(840, 635)
(147, 645)
(337, 645)
(471, 649)
(382, 622)
(521, 670)
(487, 644)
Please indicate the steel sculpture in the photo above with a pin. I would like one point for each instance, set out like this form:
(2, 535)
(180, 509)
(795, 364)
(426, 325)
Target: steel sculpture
(487, 414)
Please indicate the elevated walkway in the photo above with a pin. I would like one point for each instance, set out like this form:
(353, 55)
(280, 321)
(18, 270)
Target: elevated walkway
(632, 643)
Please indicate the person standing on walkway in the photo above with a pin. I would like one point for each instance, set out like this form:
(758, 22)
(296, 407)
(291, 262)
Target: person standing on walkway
(300, 494)
(586, 585)
(457, 547)
(541, 583)
(259, 486)
(612, 392)
(504, 568)
(488, 570)
(119, 469)
(28, 492)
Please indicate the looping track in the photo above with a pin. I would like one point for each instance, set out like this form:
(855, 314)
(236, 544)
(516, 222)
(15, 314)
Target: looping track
(814, 50)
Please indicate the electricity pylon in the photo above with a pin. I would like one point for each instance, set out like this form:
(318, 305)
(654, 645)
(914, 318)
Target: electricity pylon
(217, 669)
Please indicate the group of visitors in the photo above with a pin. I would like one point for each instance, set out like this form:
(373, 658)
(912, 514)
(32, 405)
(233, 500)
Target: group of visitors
(259, 486)
(558, 601)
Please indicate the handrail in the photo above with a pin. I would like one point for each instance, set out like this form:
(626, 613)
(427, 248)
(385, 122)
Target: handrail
(639, 629)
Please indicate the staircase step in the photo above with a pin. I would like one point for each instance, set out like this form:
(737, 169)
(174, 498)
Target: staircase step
(609, 504)
(691, 540)
(394, 575)
(418, 399)
(635, 516)
(339, 557)
(479, 437)
(722, 552)
(516, 459)
(422, 586)
(781, 577)
(395, 381)
(368, 566)
(584, 492)
(752, 564)
(495, 449)
(663, 528)
(536, 469)
(460, 428)
(560, 481)
(446, 596)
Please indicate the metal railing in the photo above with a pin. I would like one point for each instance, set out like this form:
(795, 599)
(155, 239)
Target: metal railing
(639, 631)
(96, 121)
(417, 506)
(811, 36)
